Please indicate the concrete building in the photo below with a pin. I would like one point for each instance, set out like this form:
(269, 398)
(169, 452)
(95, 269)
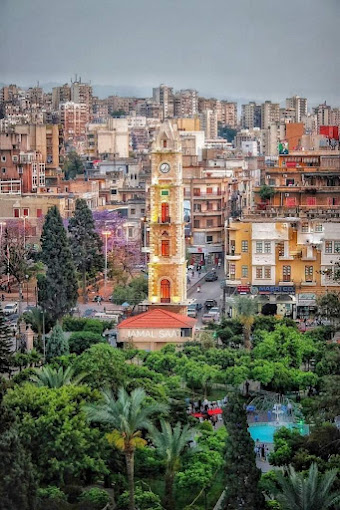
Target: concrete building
(209, 124)
(73, 117)
(110, 140)
(251, 115)
(163, 95)
(186, 103)
(60, 95)
(270, 113)
(299, 104)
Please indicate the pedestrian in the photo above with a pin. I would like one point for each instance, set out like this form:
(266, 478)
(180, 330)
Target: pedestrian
(219, 264)
(192, 274)
(198, 288)
(267, 453)
(2, 297)
(262, 452)
(269, 414)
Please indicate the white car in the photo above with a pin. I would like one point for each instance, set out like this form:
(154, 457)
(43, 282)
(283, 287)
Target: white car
(214, 311)
(10, 308)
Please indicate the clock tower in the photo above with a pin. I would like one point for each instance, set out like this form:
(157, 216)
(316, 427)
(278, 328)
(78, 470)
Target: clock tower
(167, 266)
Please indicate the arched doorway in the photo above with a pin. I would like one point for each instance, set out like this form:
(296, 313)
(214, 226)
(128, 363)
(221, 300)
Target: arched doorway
(165, 291)
(165, 213)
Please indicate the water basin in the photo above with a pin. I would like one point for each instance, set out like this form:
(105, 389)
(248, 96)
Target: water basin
(264, 432)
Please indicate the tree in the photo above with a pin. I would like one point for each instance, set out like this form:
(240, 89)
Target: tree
(86, 244)
(133, 293)
(57, 343)
(58, 288)
(103, 365)
(313, 493)
(17, 474)
(128, 415)
(226, 132)
(246, 308)
(56, 378)
(73, 165)
(242, 475)
(35, 317)
(266, 192)
(52, 426)
(170, 443)
(79, 341)
(329, 307)
(5, 345)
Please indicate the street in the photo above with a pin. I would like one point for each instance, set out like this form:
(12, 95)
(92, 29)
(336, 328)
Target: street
(209, 290)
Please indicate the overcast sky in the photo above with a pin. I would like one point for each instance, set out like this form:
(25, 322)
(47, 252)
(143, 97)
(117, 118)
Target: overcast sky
(254, 49)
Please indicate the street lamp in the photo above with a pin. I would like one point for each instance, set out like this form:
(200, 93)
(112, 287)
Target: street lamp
(105, 233)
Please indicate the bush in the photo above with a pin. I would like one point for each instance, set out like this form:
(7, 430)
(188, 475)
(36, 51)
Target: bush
(51, 492)
(73, 492)
(79, 341)
(145, 500)
(99, 497)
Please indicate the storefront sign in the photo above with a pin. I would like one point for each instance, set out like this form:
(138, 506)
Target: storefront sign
(243, 289)
(155, 334)
(273, 289)
(307, 299)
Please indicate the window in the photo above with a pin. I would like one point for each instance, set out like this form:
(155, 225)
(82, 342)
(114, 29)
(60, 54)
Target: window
(328, 247)
(311, 200)
(26, 212)
(259, 273)
(210, 223)
(16, 213)
(164, 192)
(39, 213)
(267, 247)
(197, 208)
(267, 272)
(197, 192)
(318, 227)
(165, 248)
(209, 239)
(130, 232)
(305, 227)
(232, 270)
(209, 191)
(286, 273)
(3, 170)
(209, 206)
(328, 272)
(186, 332)
(259, 247)
(142, 211)
(165, 291)
(244, 271)
(196, 223)
(165, 212)
(244, 246)
(113, 192)
(133, 211)
(308, 273)
(336, 246)
(3, 159)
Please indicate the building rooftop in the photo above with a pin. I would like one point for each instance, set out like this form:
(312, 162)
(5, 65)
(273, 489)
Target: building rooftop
(158, 318)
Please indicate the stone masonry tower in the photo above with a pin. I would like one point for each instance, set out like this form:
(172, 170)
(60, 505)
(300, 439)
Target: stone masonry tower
(167, 266)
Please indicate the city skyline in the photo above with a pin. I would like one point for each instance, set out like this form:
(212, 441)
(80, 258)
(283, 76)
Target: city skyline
(243, 53)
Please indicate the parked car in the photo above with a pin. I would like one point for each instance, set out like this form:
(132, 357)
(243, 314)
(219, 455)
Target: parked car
(10, 308)
(207, 318)
(214, 310)
(209, 303)
(192, 311)
(211, 277)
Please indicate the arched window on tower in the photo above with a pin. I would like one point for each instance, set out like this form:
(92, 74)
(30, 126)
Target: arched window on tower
(165, 291)
(165, 143)
(165, 218)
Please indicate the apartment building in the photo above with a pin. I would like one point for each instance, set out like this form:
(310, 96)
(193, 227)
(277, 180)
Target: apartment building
(251, 115)
(110, 140)
(270, 113)
(73, 118)
(186, 103)
(164, 96)
(299, 105)
(60, 95)
(209, 124)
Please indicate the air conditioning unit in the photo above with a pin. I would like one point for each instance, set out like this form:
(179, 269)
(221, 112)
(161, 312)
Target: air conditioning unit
(285, 175)
(286, 194)
(20, 170)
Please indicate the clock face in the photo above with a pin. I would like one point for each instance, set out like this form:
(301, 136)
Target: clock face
(164, 168)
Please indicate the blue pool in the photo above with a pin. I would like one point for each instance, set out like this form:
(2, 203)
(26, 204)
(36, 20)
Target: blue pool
(264, 432)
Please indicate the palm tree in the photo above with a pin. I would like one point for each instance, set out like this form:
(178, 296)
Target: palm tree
(53, 378)
(170, 443)
(127, 415)
(246, 309)
(311, 493)
(35, 318)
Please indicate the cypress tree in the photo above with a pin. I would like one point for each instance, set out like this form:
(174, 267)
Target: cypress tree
(242, 475)
(57, 343)
(5, 344)
(86, 244)
(58, 290)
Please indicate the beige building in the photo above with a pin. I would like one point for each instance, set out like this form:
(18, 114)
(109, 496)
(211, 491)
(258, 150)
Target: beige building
(110, 139)
(209, 124)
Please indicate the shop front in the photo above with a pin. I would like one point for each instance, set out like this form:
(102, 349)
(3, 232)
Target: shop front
(306, 305)
(276, 299)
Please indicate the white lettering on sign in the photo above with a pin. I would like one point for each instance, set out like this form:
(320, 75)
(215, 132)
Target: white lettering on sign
(149, 333)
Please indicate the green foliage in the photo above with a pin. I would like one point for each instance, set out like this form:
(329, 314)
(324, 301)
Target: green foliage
(57, 290)
(326, 404)
(53, 428)
(57, 343)
(86, 244)
(329, 306)
(266, 192)
(79, 341)
(73, 165)
(5, 345)
(312, 493)
(103, 365)
(242, 475)
(51, 492)
(97, 496)
(53, 378)
(133, 293)
(226, 132)
(145, 500)
(83, 324)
